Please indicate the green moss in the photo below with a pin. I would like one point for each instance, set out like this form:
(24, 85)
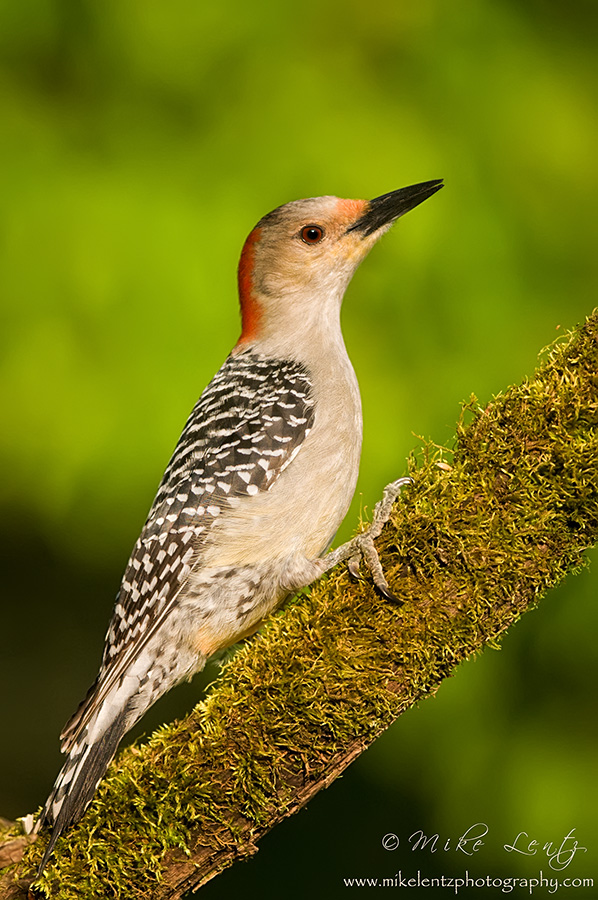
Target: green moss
(8, 830)
(475, 540)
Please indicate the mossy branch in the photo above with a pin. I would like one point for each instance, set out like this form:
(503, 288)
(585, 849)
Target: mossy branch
(473, 543)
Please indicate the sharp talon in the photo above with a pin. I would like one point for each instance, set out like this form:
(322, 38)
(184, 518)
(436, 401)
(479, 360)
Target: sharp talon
(353, 567)
(388, 595)
(362, 546)
(395, 487)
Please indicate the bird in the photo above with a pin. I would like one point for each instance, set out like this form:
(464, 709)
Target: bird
(257, 486)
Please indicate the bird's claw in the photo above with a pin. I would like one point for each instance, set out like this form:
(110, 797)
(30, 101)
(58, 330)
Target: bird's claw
(370, 556)
(362, 546)
(384, 506)
(353, 566)
(364, 543)
(388, 595)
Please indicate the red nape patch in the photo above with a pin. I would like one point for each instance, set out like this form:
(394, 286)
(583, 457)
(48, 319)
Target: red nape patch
(250, 309)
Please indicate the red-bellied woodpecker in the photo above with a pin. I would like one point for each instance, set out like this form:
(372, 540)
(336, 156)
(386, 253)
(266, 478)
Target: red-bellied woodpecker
(258, 484)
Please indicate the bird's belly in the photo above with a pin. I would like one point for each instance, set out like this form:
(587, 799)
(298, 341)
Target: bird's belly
(264, 546)
(221, 606)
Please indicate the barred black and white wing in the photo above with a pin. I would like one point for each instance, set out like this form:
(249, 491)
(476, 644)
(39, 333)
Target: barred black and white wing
(245, 429)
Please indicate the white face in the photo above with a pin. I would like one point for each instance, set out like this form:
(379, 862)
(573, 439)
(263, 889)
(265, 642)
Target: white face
(295, 267)
(306, 245)
(299, 259)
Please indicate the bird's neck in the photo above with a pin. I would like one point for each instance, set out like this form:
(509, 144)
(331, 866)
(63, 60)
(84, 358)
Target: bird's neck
(299, 328)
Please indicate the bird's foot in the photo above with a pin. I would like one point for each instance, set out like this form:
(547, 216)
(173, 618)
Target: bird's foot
(362, 547)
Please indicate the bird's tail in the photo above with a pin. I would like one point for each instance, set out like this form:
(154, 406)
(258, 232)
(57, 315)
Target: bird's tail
(78, 779)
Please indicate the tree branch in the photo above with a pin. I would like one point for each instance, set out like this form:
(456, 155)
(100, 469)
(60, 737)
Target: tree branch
(472, 544)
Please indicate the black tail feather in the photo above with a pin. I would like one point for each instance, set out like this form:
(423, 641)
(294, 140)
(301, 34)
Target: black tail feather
(77, 793)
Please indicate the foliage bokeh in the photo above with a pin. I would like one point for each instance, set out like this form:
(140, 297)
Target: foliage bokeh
(141, 142)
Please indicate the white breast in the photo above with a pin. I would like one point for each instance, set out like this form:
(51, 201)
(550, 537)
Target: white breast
(302, 511)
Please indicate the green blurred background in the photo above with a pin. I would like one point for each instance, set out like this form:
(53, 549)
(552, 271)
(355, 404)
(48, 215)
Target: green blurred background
(140, 144)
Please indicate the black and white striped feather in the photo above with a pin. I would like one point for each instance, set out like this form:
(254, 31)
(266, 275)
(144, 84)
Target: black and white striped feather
(247, 426)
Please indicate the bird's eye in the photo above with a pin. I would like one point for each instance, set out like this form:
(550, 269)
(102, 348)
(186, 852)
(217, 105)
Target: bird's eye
(312, 234)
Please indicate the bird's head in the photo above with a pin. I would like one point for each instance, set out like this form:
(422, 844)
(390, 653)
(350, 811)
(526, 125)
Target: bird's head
(299, 259)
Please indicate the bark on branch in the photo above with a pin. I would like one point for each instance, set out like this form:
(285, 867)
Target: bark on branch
(473, 543)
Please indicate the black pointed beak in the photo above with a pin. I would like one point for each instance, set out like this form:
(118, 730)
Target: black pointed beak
(385, 209)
